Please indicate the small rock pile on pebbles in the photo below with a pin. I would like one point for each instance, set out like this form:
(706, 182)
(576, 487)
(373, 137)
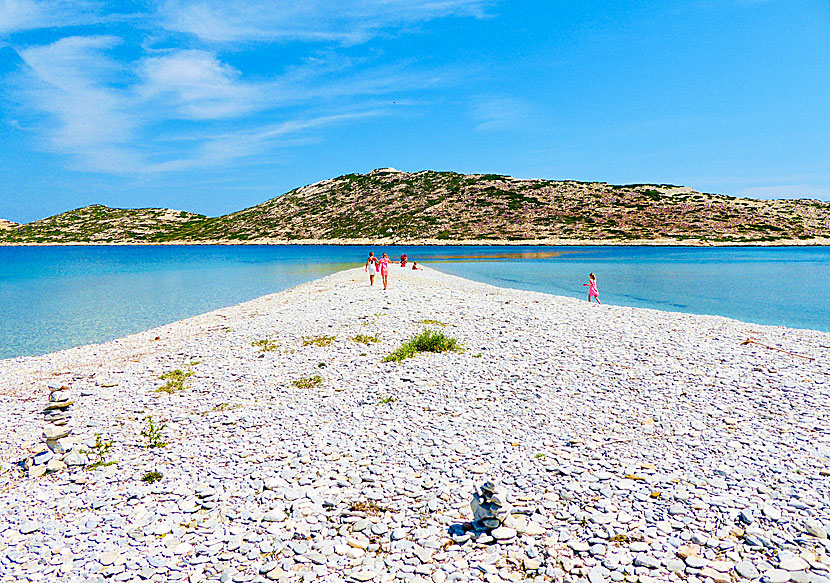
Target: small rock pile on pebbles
(618, 444)
(489, 506)
(55, 453)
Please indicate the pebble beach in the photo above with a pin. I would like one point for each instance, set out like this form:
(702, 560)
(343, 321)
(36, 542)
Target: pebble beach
(622, 444)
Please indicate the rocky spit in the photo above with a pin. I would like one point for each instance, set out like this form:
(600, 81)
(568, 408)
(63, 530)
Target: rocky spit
(601, 443)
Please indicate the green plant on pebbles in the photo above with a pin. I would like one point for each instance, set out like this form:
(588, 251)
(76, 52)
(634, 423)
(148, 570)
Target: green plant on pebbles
(153, 433)
(100, 450)
(386, 401)
(265, 345)
(318, 340)
(151, 477)
(364, 339)
(426, 341)
(175, 381)
(430, 322)
(308, 382)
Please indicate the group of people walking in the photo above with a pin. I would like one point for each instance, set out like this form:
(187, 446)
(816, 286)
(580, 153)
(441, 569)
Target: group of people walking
(375, 266)
(380, 266)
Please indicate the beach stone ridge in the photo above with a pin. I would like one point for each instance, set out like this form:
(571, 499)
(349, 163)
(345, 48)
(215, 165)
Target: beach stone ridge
(569, 442)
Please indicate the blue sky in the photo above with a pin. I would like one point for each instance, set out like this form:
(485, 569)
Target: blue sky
(214, 106)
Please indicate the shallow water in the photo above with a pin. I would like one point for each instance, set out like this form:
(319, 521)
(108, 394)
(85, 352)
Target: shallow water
(59, 297)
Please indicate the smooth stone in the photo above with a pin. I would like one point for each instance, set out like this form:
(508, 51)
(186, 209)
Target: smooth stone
(746, 570)
(790, 562)
(74, 458)
(55, 465)
(644, 560)
(772, 512)
(55, 432)
(37, 471)
(503, 533)
(814, 527)
(696, 562)
(776, 576)
(29, 526)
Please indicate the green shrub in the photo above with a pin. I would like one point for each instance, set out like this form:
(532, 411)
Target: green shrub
(426, 341)
(151, 477)
(100, 450)
(153, 433)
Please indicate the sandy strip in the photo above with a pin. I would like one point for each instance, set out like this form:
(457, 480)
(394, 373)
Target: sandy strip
(625, 438)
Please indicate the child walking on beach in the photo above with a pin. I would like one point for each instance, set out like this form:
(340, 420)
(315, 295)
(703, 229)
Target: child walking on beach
(592, 288)
(384, 268)
(371, 267)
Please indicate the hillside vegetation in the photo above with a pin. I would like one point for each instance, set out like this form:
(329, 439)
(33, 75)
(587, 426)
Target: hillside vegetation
(390, 205)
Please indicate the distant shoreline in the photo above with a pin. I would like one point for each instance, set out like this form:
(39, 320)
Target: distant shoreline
(815, 242)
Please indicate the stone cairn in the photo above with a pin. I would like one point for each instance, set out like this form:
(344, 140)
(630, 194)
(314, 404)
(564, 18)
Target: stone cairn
(57, 451)
(490, 508)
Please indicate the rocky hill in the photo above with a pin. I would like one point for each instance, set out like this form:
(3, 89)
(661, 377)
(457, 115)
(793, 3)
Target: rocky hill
(4, 224)
(389, 205)
(101, 224)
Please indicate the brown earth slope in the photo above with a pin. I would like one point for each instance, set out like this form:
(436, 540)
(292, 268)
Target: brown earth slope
(397, 206)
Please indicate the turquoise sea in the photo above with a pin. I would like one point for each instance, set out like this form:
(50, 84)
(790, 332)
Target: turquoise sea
(59, 297)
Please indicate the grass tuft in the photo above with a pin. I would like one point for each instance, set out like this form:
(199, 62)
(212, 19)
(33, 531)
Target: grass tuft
(318, 340)
(151, 477)
(175, 381)
(309, 382)
(426, 341)
(364, 339)
(265, 345)
(429, 322)
(367, 507)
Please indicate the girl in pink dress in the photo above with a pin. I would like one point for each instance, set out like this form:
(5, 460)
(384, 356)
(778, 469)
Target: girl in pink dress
(384, 268)
(592, 288)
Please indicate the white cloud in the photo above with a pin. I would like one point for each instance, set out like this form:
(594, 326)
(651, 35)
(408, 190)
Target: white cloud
(114, 118)
(122, 107)
(220, 148)
(312, 20)
(499, 113)
(90, 119)
(197, 85)
(21, 15)
(787, 191)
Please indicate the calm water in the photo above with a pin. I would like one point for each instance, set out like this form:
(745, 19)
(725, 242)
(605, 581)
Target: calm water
(58, 297)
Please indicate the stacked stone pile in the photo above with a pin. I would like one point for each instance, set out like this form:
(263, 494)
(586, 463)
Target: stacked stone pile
(58, 448)
(490, 507)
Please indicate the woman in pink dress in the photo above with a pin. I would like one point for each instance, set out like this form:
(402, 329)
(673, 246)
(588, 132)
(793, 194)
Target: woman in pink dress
(384, 268)
(592, 288)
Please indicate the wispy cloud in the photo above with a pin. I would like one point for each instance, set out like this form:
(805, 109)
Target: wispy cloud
(500, 113)
(120, 104)
(114, 117)
(21, 15)
(787, 191)
(89, 119)
(197, 85)
(312, 20)
(221, 148)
